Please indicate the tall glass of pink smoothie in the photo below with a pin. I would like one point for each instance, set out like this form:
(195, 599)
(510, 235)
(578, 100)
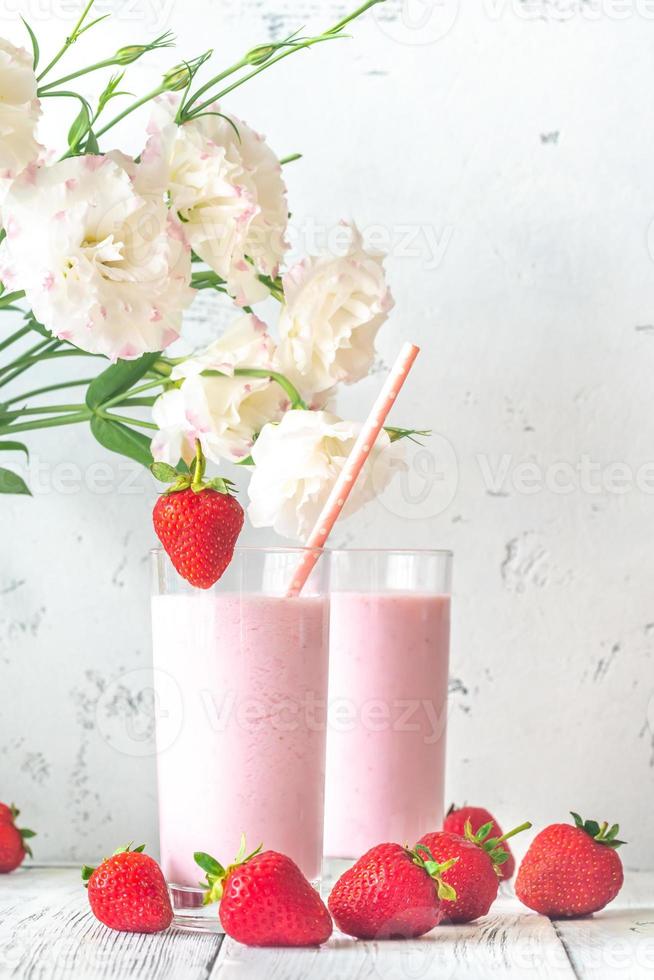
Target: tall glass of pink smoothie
(240, 678)
(388, 683)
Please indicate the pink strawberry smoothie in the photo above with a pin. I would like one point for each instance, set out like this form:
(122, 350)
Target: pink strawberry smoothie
(388, 685)
(246, 752)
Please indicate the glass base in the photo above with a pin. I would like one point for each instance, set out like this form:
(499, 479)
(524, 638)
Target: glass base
(190, 913)
(332, 869)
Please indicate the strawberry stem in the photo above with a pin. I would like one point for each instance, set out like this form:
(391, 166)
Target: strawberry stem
(512, 833)
(217, 875)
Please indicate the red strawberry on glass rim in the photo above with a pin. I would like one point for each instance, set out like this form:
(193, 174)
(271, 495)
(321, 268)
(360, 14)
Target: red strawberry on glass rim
(455, 823)
(197, 521)
(265, 900)
(127, 892)
(13, 846)
(476, 875)
(571, 870)
(391, 893)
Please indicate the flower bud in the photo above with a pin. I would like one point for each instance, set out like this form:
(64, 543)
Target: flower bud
(129, 54)
(177, 78)
(257, 56)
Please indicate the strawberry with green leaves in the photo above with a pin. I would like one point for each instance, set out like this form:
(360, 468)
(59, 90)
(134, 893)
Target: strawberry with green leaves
(197, 521)
(571, 869)
(455, 822)
(476, 875)
(391, 893)
(127, 892)
(265, 900)
(13, 846)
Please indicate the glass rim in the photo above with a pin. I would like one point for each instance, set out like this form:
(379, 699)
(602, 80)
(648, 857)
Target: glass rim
(303, 550)
(437, 552)
(255, 549)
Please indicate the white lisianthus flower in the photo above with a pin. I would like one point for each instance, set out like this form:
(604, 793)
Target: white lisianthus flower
(334, 307)
(297, 463)
(102, 266)
(19, 113)
(224, 412)
(225, 183)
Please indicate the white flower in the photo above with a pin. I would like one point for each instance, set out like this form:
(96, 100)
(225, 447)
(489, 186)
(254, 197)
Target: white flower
(226, 184)
(102, 266)
(334, 307)
(19, 113)
(224, 413)
(297, 463)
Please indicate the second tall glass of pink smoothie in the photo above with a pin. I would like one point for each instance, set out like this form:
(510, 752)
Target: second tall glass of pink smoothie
(388, 684)
(241, 688)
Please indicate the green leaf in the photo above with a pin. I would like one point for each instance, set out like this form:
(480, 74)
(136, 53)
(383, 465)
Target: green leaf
(592, 827)
(27, 833)
(91, 145)
(18, 447)
(35, 44)
(87, 871)
(209, 864)
(119, 438)
(484, 831)
(446, 892)
(11, 482)
(34, 324)
(80, 127)
(163, 472)
(577, 819)
(7, 417)
(117, 379)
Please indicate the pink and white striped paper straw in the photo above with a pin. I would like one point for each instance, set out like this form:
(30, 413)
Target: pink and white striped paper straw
(354, 464)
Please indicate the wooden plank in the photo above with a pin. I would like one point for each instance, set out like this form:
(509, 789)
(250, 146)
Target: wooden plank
(619, 941)
(47, 932)
(510, 943)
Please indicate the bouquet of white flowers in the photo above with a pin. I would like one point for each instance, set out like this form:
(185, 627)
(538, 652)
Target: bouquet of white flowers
(102, 253)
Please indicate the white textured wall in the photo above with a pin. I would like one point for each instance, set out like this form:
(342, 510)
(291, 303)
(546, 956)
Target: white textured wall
(504, 152)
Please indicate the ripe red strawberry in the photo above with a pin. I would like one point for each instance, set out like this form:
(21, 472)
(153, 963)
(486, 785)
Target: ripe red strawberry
(12, 840)
(571, 870)
(8, 813)
(390, 893)
(455, 823)
(476, 875)
(265, 900)
(198, 523)
(127, 892)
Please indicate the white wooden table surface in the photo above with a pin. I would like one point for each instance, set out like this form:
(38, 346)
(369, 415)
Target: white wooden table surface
(48, 933)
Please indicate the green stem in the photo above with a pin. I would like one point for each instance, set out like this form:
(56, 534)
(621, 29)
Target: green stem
(214, 81)
(38, 350)
(8, 298)
(119, 399)
(45, 423)
(127, 421)
(329, 35)
(107, 63)
(49, 409)
(199, 465)
(72, 37)
(512, 833)
(48, 388)
(14, 337)
(131, 108)
(282, 381)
